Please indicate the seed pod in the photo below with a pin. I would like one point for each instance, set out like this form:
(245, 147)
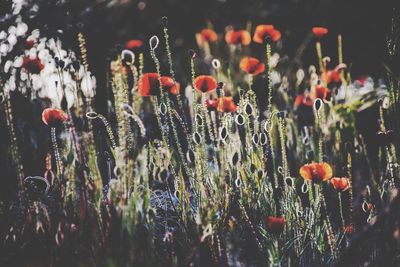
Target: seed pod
(164, 21)
(318, 104)
(223, 133)
(197, 138)
(255, 139)
(128, 57)
(263, 139)
(92, 115)
(216, 63)
(304, 187)
(239, 119)
(190, 156)
(289, 181)
(199, 120)
(154, 41)
(163, 109)
(249, 109)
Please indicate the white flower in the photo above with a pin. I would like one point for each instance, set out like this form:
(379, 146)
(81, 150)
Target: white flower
(88, 85)
(22, 28)
(69, 96)
(273, 61)
(3, 35)
(37, 82)
(12, 39)
(18, 62)
(7, 66)
(3, 49)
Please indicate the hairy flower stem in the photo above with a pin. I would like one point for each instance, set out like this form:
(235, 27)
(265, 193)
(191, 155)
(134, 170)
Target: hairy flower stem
(329, 230)
(319, 54)
(56, 153)
(350, 176)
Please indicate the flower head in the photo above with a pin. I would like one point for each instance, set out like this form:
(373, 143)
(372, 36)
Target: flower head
(208, 35)
(241, 37)
(149, 84)
(340, 184)
(32, 65)
(262, 31)
(303, 100)
(275, 225)
(225, 104)
(321, 92)
(53, 117)
(133, 44)
(251, 65)
(316, 172)
(319, 31)
(205, 83)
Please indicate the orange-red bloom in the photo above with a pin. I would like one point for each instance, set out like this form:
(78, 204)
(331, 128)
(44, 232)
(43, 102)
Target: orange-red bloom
(170, 85)
(303, 100)
(348, 229)
(320, 91)
(340, 184)
(150, 85)
(205, 83)
(225, 104)
(238, 37)
(316, 172)
(208, 35)
(32, 65)
(252, 65)
(263, 31)
(330, 76)
(53, 117)
(133, 44)
(319, 31)
(275, 225)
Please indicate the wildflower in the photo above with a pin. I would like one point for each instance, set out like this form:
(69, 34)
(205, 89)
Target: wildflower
(275, 225)
(53, 117)
(133, 44)
(251, 65)
(149, 85)
(205, 83)
(319, 31)
(340, 184)
(32, 65)
(225, 104)
(207, 35)
(316, 172)
(330, 76)
(321, 92)
(170, 85)
(238, 37)
(262, 31)
(348, 229)
(303, 100)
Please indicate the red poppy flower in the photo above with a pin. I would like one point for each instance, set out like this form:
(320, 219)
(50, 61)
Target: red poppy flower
(330, 76)
(263, 31)
(133, 44)
(170, 85)
(225, 104)
(319, 31)
(252, 65)
(320, 91)
(211, 104)
(205, 83)
(238, 37)
(316, 172)
(275, 225)
(32, 65)
(53, 117)
(303, 100)
(150, 85)
(340, 184)
(208, 35)
(348, 229)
